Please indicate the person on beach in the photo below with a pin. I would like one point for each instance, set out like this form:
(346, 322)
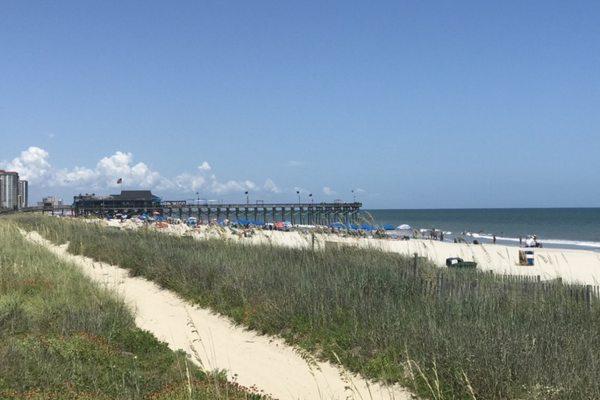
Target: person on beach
(520, 241)
(494, 238)
(441, 236)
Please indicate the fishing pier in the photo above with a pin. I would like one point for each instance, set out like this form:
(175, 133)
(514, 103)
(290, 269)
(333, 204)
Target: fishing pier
(261, 213)
(296, 213)
(140, 202)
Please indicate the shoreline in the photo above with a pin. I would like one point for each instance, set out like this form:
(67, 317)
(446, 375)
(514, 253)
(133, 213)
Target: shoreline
(564, 244)
(555, 227)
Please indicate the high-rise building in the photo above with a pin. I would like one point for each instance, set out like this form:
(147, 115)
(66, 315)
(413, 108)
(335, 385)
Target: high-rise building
(9, 189)
(23, 194)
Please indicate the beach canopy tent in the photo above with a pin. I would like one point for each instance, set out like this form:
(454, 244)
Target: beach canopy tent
(280, 225)
(367, 227)
(354, 226)
(337, 225)
(248, 222)
(388, 227)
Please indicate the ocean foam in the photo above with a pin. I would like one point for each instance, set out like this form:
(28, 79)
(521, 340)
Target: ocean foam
(556, 242)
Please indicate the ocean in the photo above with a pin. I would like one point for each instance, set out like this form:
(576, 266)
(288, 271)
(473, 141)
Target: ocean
(554, 227)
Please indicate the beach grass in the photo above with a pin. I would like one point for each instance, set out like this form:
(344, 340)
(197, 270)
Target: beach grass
(445, 333)
(64, 337)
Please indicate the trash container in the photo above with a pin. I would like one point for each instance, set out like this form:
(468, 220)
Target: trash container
(452, 261)
(456, 262)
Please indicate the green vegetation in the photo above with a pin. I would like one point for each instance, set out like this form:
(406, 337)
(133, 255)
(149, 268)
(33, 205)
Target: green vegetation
(62, 337)
(447, 334)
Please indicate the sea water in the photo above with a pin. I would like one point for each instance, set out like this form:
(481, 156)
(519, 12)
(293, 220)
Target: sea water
(554, 227)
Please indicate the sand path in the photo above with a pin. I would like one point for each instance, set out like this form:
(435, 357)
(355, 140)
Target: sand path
(263, 362)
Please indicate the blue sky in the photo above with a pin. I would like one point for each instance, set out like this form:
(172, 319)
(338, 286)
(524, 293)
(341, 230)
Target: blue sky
(413, 104)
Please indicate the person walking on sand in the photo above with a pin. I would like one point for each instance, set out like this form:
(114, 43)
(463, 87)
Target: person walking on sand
(494, 238)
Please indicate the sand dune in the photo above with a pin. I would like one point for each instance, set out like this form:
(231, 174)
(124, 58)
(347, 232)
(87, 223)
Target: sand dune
(573, 266)
(213, 342)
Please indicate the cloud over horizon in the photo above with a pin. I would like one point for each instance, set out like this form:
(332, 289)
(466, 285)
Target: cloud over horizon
(327, 191)
(33, 164)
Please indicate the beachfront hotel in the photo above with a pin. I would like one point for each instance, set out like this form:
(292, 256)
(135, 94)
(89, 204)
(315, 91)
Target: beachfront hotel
(14, 193)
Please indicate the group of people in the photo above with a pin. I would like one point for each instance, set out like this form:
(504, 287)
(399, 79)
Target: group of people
(434, 234)
(531, 241)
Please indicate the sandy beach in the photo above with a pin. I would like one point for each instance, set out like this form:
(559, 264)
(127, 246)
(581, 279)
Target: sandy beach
(572, 265)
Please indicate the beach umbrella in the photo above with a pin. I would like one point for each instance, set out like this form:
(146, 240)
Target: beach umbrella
(367, 227)
(404, 227)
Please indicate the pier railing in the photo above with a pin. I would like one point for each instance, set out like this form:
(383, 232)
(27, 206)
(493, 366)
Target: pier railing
(296, 213)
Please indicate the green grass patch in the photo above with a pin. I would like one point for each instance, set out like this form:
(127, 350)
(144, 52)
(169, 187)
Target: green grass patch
(447, 334)
(63, 337)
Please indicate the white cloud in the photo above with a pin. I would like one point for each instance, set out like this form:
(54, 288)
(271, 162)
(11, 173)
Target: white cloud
(194, 182)
(79, 176)
(327, 191)
(120, 166)
(115, 165)
(295, 163)
(189, 182)
(230, 186)
(32, 165)
(270, 186)
(205, 166)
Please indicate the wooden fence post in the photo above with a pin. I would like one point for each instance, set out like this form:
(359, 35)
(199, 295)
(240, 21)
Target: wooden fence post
(588, 296)
(415, 264)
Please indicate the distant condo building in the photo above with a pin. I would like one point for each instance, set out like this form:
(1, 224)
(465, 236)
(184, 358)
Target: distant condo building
(14, 193)
(23, 200)
(9, 189)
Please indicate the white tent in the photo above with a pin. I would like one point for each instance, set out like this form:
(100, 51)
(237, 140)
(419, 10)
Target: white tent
(403, 227)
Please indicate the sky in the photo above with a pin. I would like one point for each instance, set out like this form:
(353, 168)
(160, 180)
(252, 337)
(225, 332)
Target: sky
(410, 104)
